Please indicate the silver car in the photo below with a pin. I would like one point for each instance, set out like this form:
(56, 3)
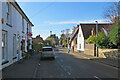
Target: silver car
(47, 52)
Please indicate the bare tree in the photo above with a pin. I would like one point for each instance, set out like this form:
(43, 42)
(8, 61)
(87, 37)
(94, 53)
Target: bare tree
(112, 12)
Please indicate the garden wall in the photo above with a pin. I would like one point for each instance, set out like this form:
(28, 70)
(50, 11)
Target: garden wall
(109, 53)
(90, 49)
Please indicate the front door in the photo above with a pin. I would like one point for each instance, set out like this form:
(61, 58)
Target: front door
(18, 48)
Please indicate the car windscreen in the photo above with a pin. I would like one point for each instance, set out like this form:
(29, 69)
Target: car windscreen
(47, 49)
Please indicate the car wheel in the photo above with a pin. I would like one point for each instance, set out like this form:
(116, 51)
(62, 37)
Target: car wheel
(53, 58)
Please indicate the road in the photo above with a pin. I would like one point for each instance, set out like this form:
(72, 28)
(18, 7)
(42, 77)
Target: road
(69, 66)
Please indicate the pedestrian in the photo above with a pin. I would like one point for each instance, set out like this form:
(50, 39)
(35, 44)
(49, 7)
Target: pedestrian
(68, 50)
(73, 48)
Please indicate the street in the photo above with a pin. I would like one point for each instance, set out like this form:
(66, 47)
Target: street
(68, 66)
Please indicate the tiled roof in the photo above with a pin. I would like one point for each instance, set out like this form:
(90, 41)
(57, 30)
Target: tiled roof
(86, 28)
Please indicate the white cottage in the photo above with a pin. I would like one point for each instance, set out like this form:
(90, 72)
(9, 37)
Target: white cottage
(83, 31)
(16, 30)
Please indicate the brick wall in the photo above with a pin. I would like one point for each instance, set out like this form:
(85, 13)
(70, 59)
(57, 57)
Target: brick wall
(89, 49)
(103, 53)
(108, 53)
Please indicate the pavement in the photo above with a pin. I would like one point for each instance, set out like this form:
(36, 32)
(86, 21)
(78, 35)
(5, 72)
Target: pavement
(22, 69)
(111, 62)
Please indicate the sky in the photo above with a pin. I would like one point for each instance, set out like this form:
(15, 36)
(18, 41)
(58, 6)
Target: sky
(58, 16)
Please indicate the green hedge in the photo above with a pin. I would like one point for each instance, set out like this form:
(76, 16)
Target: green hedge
(37, 47)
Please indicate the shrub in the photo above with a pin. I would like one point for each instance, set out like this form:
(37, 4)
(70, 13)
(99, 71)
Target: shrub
(115, 35)
(91, 39)
(37, 47)
(102, 40)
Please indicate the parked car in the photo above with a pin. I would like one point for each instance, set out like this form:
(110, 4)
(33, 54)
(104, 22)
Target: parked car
(47, 52)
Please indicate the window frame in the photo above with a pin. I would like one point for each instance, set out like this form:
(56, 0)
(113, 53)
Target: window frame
(8, 12)
(23, 28)
(5, 46)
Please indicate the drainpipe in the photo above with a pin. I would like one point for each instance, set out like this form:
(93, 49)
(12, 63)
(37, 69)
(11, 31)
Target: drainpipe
(96, 37)
(27, 39)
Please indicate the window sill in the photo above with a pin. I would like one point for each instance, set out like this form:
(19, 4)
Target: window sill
(14, 57)
(8, 25)
(5, 62)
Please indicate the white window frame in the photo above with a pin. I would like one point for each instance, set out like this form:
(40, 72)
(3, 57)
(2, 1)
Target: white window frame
(14, 45)
(4, 46)
(79, 35)
(8, 12)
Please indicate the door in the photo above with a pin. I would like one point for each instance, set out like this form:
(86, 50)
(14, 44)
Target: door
(18, 48)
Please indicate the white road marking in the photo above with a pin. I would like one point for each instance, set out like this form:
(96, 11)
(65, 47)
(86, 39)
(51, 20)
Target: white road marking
(97, 77)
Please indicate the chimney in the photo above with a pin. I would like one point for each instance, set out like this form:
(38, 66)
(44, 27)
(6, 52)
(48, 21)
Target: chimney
(92, 31)
(115, 19)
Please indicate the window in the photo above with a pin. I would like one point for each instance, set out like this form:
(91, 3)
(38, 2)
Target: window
(14, 45)
(27, 28)
(8, 13)
(4, 45)
(79, 35)
(80, 46)
(22, 24)
(47, 49)
(76, 41)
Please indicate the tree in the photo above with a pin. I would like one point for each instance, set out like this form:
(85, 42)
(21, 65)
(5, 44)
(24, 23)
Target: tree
(112, 12)
(52, 40)
(102, 41)
(115, 35)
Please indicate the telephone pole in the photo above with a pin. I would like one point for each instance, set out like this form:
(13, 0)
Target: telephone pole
(96, 37)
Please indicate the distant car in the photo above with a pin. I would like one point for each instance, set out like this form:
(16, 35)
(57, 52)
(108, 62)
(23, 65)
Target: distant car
(47, 52)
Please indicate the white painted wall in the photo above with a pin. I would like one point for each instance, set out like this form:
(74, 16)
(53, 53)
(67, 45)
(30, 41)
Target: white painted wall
(0, 41)
(16, 23)
(80, 40)
(16, 27)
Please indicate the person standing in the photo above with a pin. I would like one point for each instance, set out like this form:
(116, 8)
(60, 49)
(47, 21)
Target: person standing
(68, 49)
(73, 48)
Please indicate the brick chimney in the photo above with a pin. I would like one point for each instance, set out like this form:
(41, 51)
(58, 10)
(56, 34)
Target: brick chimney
(115, 19)
(92, 31)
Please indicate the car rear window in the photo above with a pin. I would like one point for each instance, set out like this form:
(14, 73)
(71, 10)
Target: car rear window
(47, 49)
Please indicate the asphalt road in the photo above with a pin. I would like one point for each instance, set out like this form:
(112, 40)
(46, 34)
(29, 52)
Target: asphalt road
(69, 66)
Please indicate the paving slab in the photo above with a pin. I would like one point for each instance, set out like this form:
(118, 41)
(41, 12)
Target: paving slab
(23, 69)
